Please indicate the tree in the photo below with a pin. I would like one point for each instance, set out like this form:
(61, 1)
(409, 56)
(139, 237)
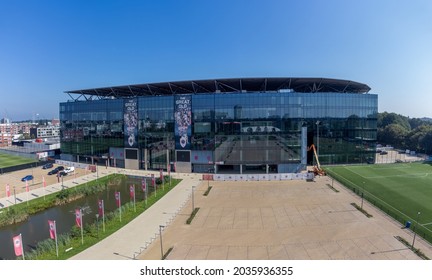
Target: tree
(385, 119)
(393, 134)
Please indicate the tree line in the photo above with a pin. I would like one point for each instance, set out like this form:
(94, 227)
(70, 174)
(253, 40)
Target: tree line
(404, 132)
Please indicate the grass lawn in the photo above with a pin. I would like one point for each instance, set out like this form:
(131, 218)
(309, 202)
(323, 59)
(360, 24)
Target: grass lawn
(7, 160)
(401, 190)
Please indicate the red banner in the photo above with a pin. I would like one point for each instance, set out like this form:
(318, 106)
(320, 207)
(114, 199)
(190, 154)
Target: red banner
(7, 190)
(161, 174)
(117, 198)
(144, 185)
(17, 241)
(78, 217)
(132, 191)
(43, 181)
(52, 229)
(101, 208)
(27, 186)
(153, 181)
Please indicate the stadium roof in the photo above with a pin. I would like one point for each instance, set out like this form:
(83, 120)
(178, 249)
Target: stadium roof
(223, 86)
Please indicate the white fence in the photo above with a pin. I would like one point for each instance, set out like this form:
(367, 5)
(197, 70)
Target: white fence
(263, 177)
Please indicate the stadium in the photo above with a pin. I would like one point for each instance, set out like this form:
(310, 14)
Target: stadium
(232, 126)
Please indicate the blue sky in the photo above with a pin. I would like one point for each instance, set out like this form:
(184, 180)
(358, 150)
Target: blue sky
(48, 47)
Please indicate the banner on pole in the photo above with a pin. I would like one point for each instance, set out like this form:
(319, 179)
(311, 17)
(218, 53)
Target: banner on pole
(117, 198)
(132, 191)
(101, 208)
(52, 229)
(17, 241)
(78, 217)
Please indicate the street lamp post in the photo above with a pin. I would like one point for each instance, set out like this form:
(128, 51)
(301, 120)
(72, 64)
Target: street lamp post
(160, 236)
(14, 194)
(415, 231)
(318, 145)
(193, 199)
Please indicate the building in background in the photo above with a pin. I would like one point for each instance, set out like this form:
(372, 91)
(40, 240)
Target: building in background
(247, 125)
(45, 131)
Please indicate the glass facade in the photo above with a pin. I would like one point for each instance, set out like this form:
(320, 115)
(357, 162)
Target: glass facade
(230, 132)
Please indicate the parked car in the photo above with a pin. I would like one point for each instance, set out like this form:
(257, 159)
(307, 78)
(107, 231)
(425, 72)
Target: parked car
(63, 173)
(56, 170)
(383, 153)
(27, 178)
(53, 171)
(47, 166)
(69, 169)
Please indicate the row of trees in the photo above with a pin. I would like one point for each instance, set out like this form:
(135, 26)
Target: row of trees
(404, 132)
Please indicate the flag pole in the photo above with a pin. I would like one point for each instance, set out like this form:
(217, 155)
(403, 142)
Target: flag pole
(103, 216)
(43, 185)
(27, 191)
(22, 246)
(82, 227)
(119, 205)
(55, 232)
(134, 197)
(146, 191)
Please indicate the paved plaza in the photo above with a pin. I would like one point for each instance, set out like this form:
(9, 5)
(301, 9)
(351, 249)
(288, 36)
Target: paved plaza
(282, 220)
(243, 220)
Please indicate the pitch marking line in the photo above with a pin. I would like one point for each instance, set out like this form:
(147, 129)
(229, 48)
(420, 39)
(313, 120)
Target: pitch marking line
(413, 175)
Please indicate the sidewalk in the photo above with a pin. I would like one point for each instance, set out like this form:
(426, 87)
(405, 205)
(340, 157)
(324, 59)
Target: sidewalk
(132, 239)
(70, 181)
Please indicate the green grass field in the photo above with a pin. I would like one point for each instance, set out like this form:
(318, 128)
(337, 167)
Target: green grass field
(7, 160)
(400, 190)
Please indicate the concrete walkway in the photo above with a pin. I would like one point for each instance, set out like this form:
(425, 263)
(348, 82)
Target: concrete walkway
(132, 239)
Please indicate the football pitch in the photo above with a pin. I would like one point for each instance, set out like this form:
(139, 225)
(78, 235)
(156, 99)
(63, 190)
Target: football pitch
(7, 160)
(400, 190)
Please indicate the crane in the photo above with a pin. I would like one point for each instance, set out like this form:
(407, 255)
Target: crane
(317, 167)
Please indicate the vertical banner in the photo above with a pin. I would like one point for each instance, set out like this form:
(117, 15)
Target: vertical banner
(78, 217)
(101, 212)
(101, 208)
(18, 248)
(131, 123)
(53, 233)
(7, 190)
(132, 192)
(117, 199)
(118, 202)
(183, 121)
(52, 229)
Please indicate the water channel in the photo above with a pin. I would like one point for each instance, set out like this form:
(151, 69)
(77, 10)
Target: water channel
(36, 228)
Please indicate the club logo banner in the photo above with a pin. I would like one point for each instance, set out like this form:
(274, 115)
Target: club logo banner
(131, 123)
(183, 121)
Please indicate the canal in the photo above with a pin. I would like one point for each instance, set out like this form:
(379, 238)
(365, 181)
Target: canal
(36, 229)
